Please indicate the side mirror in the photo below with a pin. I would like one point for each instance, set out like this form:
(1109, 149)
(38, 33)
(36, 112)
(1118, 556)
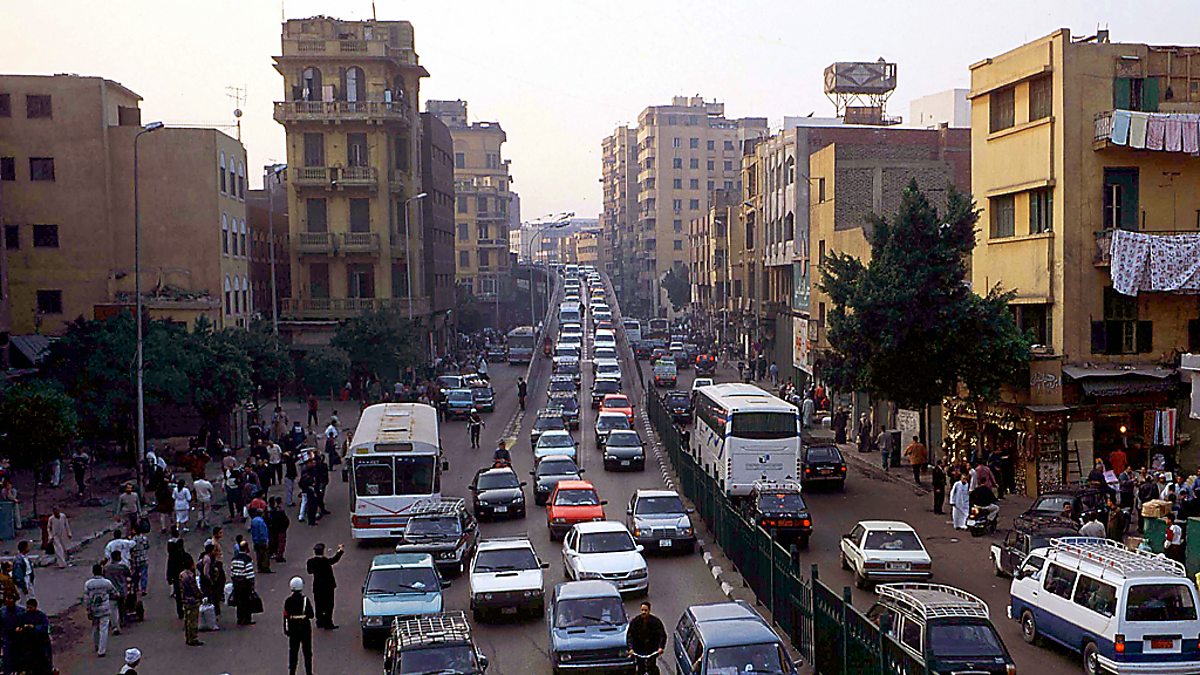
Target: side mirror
(629, 512)
(583, 471)
(483, 661)
(524, 483)
(445, 465)
(690, 509)
(639, 548)
(445, 583)
(603, 502)
(545, 565)
(846, 537)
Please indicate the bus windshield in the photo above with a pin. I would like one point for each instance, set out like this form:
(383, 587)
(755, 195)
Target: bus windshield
(394, 475)
(764, 425)
(524, 340)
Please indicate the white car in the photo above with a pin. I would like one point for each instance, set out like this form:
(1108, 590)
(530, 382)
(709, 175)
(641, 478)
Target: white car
(885, 551)
(700, 382)
(605, 340)
(555, 443)
(506, 578)
(607, 368)
(605, 550)
(604, 353)
(607, 422)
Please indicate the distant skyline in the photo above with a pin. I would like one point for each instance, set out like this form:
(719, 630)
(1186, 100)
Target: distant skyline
(558, 75)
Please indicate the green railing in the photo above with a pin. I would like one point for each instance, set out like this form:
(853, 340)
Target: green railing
(801, 605)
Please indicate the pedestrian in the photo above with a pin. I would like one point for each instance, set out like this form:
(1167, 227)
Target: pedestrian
(960, 501)
(918, 456)
(308, 499)
(1173, 542)
(1126, 485)
(129, 506)
(164, 505)
(840, 420)
(117, 571)
(241, 572)
(10, 622)
(289, 476)
(1118, 460)
(275, 462)
(177, 558)
(98, 597)
(522, 391)
(33, 641)
(995, 465)
(1117, 523)
(324, 583)
(23, 570)
(1147, 491)
(278, 523)
(773, 370)
(938, 478)
(884, 442)
(1093, 528)
(646, 639)
(58, 528)
(297, 626)
(204, 498)
(79, 466)
(189, 586)
(133, 659)
(261, 537)
(279, 424)
(864, 433)
(212, 576)
(312, 411)
(808, 412)
(475, 426)
(231, 478)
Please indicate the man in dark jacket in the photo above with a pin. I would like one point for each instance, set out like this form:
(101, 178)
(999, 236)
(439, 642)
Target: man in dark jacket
(646, 639)
(324, 583)
(278, 523)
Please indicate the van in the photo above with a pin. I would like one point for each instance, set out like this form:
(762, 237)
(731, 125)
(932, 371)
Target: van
(728, 637)
(665, 373)
(1124, 611)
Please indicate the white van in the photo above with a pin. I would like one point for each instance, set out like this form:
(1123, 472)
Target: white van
(1124, 611)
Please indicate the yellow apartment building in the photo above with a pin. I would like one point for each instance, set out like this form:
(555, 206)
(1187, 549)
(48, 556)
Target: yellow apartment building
(587, 247)
(353, 138)
(1084, 165)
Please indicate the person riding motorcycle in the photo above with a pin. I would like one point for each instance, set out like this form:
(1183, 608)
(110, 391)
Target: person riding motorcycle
(501, 457)
(984, 499)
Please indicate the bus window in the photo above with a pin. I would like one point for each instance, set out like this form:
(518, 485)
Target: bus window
(414, 475)
(373, 478)
(764, 425)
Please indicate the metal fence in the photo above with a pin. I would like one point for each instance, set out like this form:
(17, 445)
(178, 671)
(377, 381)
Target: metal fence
(802, 605)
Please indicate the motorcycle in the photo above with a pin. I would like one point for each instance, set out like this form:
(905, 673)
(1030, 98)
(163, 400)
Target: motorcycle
(981, 521)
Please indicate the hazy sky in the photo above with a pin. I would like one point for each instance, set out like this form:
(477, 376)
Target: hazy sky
(557, 74)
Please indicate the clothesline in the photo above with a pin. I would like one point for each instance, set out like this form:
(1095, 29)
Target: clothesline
(1169, 132)
(1141, 261)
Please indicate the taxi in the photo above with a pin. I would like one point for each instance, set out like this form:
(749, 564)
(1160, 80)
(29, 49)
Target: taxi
(617, 403)
(571, 502)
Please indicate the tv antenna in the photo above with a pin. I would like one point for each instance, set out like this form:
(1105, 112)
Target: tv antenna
(238, 94)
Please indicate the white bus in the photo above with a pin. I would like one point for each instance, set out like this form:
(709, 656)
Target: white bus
(522, 340)
(395, 463)
(633, 330)
(744, 435)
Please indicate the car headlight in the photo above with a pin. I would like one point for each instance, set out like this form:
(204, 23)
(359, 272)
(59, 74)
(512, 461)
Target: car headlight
(558, 521)
(373, 621)
(563, 657)
(487, 596)
(589, 575)
(638, 533)
(532, 593)
(687, 531)
(639, 574)
(519, 499)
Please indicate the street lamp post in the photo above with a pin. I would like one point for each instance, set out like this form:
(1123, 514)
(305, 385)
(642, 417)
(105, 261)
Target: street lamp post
(558, 222)
(408, 262)
(272, 171)
(137, 292)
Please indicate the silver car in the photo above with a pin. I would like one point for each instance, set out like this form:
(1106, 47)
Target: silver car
(659, 521)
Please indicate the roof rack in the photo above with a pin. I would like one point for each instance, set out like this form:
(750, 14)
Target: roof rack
(958, 604)
(433, 507)
(431, 629)
(517, 538)
(1108, 553)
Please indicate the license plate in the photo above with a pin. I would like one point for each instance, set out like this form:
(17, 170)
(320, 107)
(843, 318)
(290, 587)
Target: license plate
(825, 472)
(1162, 644)
(666, 543)
(501, 509)
(508, 610)
(624, 462)
(897, 566)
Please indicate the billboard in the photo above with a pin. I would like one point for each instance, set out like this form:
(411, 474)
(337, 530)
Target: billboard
(800, 344)
(860, 77)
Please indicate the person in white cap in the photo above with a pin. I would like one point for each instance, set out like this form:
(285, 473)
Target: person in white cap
(297, 625)
(133, 657)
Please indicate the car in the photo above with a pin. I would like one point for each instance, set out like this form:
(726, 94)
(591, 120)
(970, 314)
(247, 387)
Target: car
(642, 350)
(617, 403)
(549, 471)
(700, 382)
(945, 629)
(823, 463)
(460, 403)
(608, 421)
(601, 315)
(567, 405)
(506, 578)
(485, 398)
(601, 387)
(562, 383)
(660, 522)
(571, 327)
(779, 508)
(1086, 502)
(1028, 533)
(706, 364)
(566, 365)
(546, 420)
(571, 350)
(497, 492)
(605, 550)
(437, 643)
(604, 324)
(605, 339)
(571, 502)
(665, 373)
(623, 449)
(571, 339)
(884, 550)
(555, 443)
(443, 528)
(447, 382)
(679, 404)
(728, 637)
(398, 585)
(682, 358)
(608, 368)
(587, 624)
(599, 353)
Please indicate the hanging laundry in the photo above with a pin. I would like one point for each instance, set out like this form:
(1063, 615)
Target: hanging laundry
(1174, 137)
(1144, 261)
(1164, 427)
(1137, 129)
(1156, 132)
(1191, 133)
(1120, 127)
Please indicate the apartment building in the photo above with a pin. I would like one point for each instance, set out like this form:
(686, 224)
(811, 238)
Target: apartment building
(619, 177)
(587, 247)
(5, 311)
(270, 262)
(482, 187)
(66, 181)
(353, 138)
(709, 258)
(948, 108)
(1084, 164)
(437, 216)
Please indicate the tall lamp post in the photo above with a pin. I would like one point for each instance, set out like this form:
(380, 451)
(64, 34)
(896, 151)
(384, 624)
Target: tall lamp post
(561, 221)
(408, 262)
(272, 172)
(137, 292)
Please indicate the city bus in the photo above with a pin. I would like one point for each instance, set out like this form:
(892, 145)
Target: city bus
(658, 328)
(633, 330)
(395, 463)
(522, 340)
(744, 435)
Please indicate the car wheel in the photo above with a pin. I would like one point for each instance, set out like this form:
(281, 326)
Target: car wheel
(1029, 631)
(1091, 659)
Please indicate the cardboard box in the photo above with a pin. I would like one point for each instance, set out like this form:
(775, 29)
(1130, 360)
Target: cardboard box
(1156, 508)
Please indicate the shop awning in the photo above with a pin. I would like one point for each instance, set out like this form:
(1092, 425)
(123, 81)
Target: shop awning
(1125, 386)
(33, 348)
(1049, 408)
(1115, 371)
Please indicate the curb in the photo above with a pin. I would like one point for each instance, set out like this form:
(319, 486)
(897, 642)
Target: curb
(48, 559)
(875, 471)
(718, 573)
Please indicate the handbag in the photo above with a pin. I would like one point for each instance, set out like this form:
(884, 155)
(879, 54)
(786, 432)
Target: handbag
(229, 596)
(256, 602)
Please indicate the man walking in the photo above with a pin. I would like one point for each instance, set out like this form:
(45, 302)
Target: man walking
(297, 626)
(59, 529)
(522, 390)
(204, 497)
(960, 501)
(277, 524)
(189, 588)
(324, 584)
(938, 477)
(261, 536)
(133, 659)
(99, 595)
(646, 639)
(312, 411)
(884, 442)
(918, 456)
(23, 570)
(475, 426)
(79, 466)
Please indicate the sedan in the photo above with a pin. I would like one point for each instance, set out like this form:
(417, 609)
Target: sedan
(604, 353)
(617, 403)
(605, 551)
(460, 403)
(824, 463)
(602, 387)
(607, 422)
(623, 450)
(485, 398)
(555, 443)
(571, 502)
(546, 421)
(885, 550)
(497, 492)
(660, 521)
(550, 470)
(567, 405)
(679, 404)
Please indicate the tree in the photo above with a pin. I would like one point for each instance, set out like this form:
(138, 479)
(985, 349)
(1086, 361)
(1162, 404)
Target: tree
(679, 291)
(993, 352)
(381, 344)
(325, 369)
(37, 423)
(218, 369)
(270, 365)
(93, 363)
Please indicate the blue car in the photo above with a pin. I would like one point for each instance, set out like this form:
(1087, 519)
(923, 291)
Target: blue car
(400, 585)
(728, 637)
(587, 628)
(460, 403)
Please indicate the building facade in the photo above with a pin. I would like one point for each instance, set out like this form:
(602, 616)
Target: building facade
(270, 268)
(437, 215)
(619, 177)
(948, 108)
(1084, 167)
(710, 271)
(353, 139)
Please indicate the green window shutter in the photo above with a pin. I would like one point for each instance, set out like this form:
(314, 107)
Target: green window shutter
(1150, 94)
(1121, 93)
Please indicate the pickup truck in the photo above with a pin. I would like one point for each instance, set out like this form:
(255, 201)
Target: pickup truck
(665, 373)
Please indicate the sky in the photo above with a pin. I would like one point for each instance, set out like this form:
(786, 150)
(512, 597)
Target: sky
(558, 75)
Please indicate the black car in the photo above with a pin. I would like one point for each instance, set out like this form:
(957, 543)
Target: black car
(679, 404)
(682, 359)
(623, 451)
(445, 529)
(823, 464)
(1028, 533)
(547, 420)
(485, 397)
(566, 405)
(642, 350)
(550, 470)
(562, 386)
(497, 493)
(779, 508)
(603, 387)
(1086, 502)
(435, 643)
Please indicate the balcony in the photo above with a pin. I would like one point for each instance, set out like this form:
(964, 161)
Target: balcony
(340, 177)
(357, 176)
(1102, 254)
(360, 242)
(492, 243)
(398, 180)
(315, 242)
(332, 309)
(326, 112)
(1119, 128)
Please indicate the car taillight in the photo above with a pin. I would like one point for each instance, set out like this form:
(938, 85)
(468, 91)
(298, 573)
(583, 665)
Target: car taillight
(807, 470)
(867, 564)
(1010, 669)
(806, 523)
(843, 468)
(1119, 644)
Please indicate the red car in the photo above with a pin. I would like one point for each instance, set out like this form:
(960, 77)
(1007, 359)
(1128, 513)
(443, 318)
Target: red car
(617, 403)
(573, 501)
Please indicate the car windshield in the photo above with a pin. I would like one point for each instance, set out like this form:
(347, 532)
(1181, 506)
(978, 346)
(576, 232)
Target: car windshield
(780, 502)
(606, 387)
(449, 381)
(606, 353)
(1051, 504)
(557, 467)
(440, 659)
(678, 399)
(610, 422)
(459, 395)
(566, 351)
(1160, 602)
(562, 385)
(629, 439)
(555, 441)
(605, 542)
(483, 392)
(435, 525)
(569, 368)
(616, 402)
(659, 505)
(548, 422)
(583, 612)
(566, 403)
(498, 480)
(764, 425)
(505, 560)
(824, 454)
(577, 498)
(903, 540)
(608, 369)
(949, 640)
(402, 580)
(757, 659)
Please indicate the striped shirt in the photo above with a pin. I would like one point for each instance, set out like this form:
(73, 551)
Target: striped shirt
(241, 568)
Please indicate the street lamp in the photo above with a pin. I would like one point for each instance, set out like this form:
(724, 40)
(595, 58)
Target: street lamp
(137, 292)
(558, 222)
(272, 171)
(408, 262)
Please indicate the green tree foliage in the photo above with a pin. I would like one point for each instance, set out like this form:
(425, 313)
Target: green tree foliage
(995, 353)
(679, 291)
(270, 364)
(325, 370)
(37, 423)
(381, 344)
(906, 326)
(94, 364)
(218, 369)
(468, 317)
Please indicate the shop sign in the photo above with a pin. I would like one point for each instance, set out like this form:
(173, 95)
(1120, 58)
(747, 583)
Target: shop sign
(1045, 382)
(800, 352)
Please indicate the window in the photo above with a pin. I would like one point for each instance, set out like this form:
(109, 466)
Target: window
(8, 168)
(485, 258)
(242, 236)
(712, 145)
(221, 164)
(728, 185)
(224, 234)
(694, 184)
(677, 225)
(318, 280)
(1059, 581)
(1121, 198)
(37, 106)
(483, 231)
(677, 204)
(356, 150)
(360, 281)
(402, 152)
(360, 215)
(12, 237)
(355, 84)
(1001, 108)
(728, 165)
(460, 160)
(677, 163)
(1120, 332)
(45, 236)
(1159, 602)
(41, 168)
(1135, 93)
(463, 230)
(820, 190)
(1041, 101)
(677, 183)
(711, 165)
(1003, 216)
(49, 302)
(399, 280)
(462, 204)
(315, 211)
(464, 259)
(728, 145)
(678, 244)
(481, 204)
(5, 105)
(676, 142)
(694, 143)
(310, 85)
(228, 296)
(693, 204)
(1041, 211)
(821, 314)
(1034, 321)
(1096, 595)
(314, 149)
(694, 163)
(910, 634)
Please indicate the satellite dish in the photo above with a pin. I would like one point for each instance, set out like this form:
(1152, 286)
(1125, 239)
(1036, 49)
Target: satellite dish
(237, 112)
